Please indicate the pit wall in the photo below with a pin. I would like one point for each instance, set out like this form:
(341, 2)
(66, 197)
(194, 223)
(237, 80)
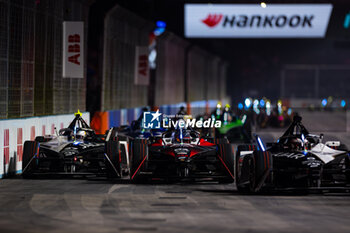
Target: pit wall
(14, 132)
(102, 121)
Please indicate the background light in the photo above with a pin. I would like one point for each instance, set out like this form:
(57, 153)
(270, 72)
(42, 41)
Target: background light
(152, 58)
(324, 102)
(342, 103)
(158, 31)
(347, 21)
(262, 103)
(161, 24)
(247, 102)
(263, 4)
(268, 107)
(279, 103)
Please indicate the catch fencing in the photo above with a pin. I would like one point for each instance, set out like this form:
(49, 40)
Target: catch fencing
(31, 82)
(123, 32)
(182, 68)
(184, 73)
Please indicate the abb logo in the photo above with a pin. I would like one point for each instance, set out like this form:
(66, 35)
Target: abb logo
(6, 146)
(212, 20)
(19, 144)
(74, 47)
(141, 70)
(143, 65)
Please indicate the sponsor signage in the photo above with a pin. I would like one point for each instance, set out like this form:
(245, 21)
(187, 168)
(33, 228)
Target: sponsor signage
(73, 49)
(141, 66)
(254, 21)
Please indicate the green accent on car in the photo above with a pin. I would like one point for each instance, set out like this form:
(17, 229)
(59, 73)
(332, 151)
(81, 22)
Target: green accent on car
(226, 127)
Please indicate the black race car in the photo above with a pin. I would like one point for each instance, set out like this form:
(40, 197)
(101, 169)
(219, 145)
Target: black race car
(298, 160)
(75, 150)
(176, 154)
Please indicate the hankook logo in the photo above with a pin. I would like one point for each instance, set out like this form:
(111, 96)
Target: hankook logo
(259, 21)
(253, 21)
(212, 20)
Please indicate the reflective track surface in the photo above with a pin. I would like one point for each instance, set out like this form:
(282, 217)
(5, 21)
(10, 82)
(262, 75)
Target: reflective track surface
(95, 205)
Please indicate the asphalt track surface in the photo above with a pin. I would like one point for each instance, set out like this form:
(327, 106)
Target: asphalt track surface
(95, 205)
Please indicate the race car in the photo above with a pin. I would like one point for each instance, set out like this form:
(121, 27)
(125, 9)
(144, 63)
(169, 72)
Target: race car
(75, 150)
(176, 154)
(297, 161)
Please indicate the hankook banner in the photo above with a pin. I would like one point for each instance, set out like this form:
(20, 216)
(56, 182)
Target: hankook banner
(254, 21)
(73, 49)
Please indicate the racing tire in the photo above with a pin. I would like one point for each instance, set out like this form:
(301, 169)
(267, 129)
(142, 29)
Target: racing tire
(28, 163)
(112, 162)
(139, 159)
(244, 188)
(260, 165)
(227, 156)
(249, 188)
(347, 173)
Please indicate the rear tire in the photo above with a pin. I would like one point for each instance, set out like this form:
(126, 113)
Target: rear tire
(227, 155)
(112, 150)
(246, 187)
(250, 187)
(139, 152)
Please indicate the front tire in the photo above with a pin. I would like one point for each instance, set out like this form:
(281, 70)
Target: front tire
(28, 163)
(250, 186)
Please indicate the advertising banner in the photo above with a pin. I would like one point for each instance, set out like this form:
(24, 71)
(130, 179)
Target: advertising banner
(73, 49)
(141, 66)
(254, 21)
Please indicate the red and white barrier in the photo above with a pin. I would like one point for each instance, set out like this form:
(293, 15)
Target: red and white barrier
(14, 132)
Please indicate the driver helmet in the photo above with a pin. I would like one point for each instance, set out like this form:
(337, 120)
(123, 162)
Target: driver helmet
(295, 144)
(182, 136)
(80, 135)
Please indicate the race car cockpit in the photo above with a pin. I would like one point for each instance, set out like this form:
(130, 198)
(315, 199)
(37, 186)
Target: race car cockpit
(297, 137)
(181, 134)
(78, 129)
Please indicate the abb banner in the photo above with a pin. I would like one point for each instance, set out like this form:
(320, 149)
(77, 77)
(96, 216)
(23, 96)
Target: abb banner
(254, 21)
(73, 49)
(141, 66)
